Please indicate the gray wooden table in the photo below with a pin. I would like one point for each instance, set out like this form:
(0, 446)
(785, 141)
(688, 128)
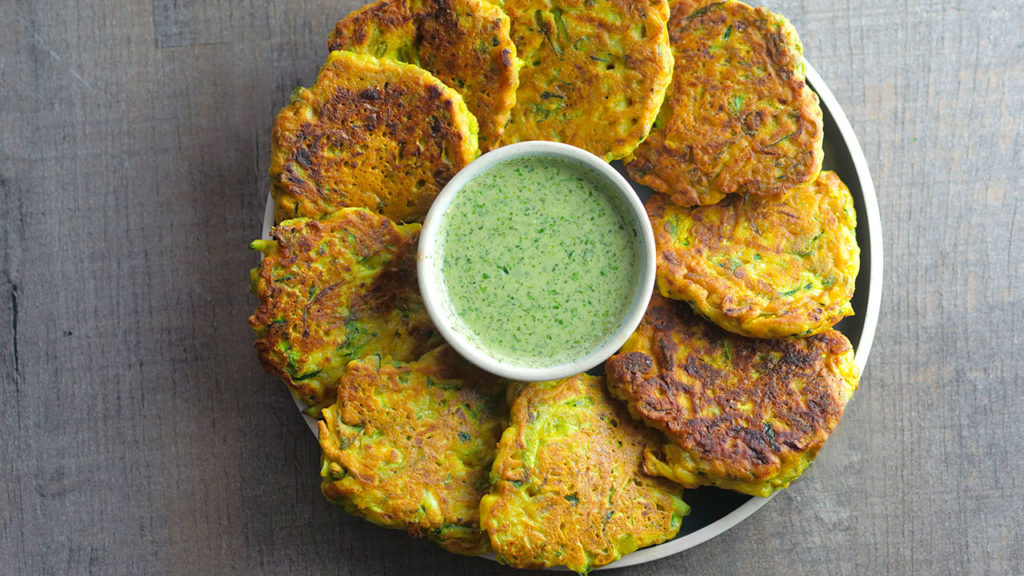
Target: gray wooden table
(138, 435)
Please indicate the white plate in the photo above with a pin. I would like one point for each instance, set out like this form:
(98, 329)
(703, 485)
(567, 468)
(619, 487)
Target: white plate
(713, 511)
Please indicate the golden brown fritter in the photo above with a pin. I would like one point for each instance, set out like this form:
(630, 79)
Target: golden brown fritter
(464, 43)
(594, 72)
(410, 446)
(739, 413)
(567, 486)
(335, 290)
(370, 133)
(738, 117)
(762, 268)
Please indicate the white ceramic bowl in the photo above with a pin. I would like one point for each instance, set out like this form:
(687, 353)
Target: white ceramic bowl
(445, 317)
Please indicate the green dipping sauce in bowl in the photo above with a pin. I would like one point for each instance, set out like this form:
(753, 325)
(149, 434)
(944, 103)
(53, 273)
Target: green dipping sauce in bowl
(535, 261)
(538, 261)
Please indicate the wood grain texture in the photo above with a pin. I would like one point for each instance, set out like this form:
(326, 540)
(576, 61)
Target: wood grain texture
(138, 434)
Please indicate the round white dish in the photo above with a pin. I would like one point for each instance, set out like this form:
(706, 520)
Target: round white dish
(713, 511)
(429, 264)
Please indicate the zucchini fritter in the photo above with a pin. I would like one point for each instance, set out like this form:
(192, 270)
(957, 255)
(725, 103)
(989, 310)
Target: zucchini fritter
(762, 268)
(409, 446)
(594, 72)
(738, 116)
(369, 133)
(334, 290)
(739, 413)
(567, 486)
(465, 43)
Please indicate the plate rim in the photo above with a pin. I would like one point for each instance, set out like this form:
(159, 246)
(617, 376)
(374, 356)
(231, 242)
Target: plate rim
(872, 219)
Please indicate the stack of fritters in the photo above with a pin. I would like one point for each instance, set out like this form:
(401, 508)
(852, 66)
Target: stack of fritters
(754, 238)
(748, 230)
(749, 236)
(464, 43)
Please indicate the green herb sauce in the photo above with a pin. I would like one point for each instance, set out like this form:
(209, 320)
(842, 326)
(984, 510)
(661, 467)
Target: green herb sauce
(539, 260)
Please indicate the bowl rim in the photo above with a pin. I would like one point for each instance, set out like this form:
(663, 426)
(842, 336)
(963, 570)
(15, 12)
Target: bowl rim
(432, 286)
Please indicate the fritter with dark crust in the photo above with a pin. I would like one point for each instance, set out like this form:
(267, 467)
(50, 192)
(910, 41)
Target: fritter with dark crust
(370, 133)
(594, 72)
(762, 268)
(335, 290)
(738, 117)
(739, 413)
(567, 486)
(465, 43)
(410, 446)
